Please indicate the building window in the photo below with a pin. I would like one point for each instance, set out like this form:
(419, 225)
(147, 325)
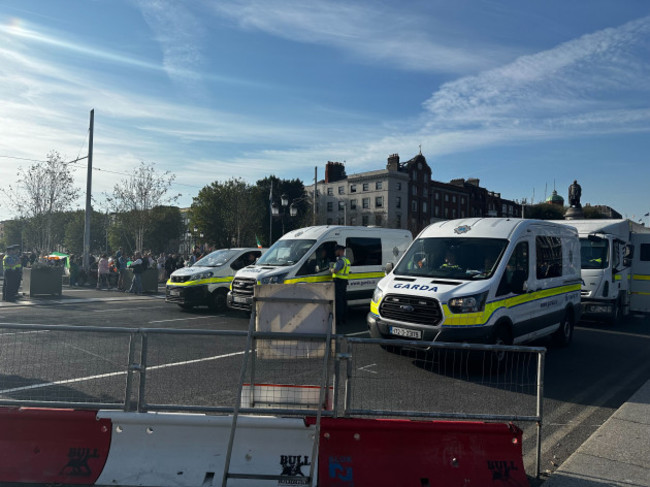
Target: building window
(398, 202)
(446, 197)
(414, 190)
(425, 193)
(453, 213)
(341, 220)
(353, 188)
(436, 211)
(364, 220)
(399, 186)
(437, 196)
(353, 204)
(353, 220)
(341, 189)
(453, 199)
(462, 201)
(366, 186)
(424, 207)
(366, 202)
(379, 185)
(330, 191)
(462, 213)
(330, 206)
(378, 220)
(398, 221)
(446, 212)
(341, 205)
(414, 206)
(379, 202)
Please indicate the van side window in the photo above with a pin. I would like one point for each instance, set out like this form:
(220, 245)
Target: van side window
(549, 256)
(516, 273)
(319, 260)
(245, 259)
(644, 252)
(363, 251)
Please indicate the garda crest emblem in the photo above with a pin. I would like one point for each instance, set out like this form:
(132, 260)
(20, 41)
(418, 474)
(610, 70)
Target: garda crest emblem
(462, 229)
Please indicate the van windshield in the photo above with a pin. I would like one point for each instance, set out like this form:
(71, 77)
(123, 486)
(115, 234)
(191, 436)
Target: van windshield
(216, 258)
(452, 258)
(594, 253)
(286, 252)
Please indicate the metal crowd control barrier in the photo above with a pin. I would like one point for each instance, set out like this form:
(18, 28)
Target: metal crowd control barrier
(148, 369)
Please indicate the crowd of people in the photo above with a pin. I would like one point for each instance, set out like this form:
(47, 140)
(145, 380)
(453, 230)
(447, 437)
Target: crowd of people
(105, 271)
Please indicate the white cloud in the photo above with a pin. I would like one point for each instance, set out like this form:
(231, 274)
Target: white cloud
(372, 32)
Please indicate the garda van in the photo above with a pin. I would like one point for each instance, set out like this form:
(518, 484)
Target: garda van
(305, 255)
(207, 281)
(615, 275)
(490, 280)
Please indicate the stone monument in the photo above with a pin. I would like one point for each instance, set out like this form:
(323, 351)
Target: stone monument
(575, 208)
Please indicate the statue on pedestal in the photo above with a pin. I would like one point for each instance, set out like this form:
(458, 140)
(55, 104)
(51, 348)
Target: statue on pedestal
(575, 191)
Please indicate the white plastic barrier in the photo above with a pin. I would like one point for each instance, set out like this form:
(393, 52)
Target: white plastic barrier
(162, 449)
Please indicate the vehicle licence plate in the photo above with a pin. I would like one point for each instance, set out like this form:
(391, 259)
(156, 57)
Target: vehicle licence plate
(404, 332)
(175, 292)
(239, 299)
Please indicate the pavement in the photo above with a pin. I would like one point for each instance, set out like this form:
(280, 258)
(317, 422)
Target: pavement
(617, 454)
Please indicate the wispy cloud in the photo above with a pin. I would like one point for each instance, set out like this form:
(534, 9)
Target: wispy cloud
(373, 33)
(594, 84)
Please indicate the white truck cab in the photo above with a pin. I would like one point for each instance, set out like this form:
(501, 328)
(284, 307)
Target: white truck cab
(207, 281)
(305, 255)
(490, 280)
(612, 271)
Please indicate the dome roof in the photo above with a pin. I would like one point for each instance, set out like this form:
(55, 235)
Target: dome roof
(555, 198)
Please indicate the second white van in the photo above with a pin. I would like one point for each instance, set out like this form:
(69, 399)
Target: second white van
(304, 255)
(490, 280)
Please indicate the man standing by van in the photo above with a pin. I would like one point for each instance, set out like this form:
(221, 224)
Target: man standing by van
(340, 270)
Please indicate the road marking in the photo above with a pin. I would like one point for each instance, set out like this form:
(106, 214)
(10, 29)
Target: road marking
(614, 332)
(2, 335)
(114, 374)
(183, 319)
(366, 368)
(357, 333)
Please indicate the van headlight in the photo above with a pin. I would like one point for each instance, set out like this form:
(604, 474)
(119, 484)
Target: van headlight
(201, 275)
(275, 279)
(377, 295)
(468, 304)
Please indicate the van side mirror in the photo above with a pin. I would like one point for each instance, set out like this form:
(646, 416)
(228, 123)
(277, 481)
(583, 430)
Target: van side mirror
(627, 262)
(389, 268)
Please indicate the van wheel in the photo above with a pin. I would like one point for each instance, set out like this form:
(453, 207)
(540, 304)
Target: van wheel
(564, 334)
(501, 336)
(218, 300)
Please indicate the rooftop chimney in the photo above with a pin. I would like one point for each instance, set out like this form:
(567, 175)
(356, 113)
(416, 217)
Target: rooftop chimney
(393, 162)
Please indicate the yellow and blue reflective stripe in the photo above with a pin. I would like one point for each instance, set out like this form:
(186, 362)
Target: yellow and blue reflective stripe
(326, 278)
(210, 280)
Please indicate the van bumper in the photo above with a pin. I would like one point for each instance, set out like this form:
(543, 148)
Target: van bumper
(244, 303)
(380, 328)
(187, 295)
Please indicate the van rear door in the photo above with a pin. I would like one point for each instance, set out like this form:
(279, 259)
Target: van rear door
(640, 273)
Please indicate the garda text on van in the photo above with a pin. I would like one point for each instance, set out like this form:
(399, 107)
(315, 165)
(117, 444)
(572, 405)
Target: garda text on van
(491, 280)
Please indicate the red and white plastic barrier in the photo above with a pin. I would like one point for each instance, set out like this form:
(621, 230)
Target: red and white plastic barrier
(160, 449)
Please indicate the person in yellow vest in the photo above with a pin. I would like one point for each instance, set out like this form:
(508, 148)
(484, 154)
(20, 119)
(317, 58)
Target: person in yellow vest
(12, 273)
(340, 271)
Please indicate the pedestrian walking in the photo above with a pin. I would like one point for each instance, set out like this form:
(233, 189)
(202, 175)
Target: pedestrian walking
(102, 272)
(340, 271)
(12, 273)
(138, 268)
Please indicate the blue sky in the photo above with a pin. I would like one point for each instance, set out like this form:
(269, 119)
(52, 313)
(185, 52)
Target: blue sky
(523, 95)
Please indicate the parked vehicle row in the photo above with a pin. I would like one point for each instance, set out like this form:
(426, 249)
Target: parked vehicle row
(491, 280)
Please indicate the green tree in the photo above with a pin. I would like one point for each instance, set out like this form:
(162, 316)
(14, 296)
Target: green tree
(74, 232)
(41, 195)
(544, 211)
(134, 197)
(165, 229)
(592, 212)
(227, 214)
(294, 189)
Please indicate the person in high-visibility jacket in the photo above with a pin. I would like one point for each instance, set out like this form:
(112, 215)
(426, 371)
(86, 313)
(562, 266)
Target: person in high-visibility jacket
(340, 271)
(12, 273)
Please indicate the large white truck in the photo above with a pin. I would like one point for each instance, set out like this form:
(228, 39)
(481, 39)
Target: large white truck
(615, 267)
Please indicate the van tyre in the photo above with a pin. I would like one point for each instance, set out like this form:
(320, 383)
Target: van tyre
(564, 334)
(502, 335)
(218, 300)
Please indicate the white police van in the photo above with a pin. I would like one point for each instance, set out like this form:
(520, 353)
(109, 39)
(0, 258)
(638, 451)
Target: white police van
(490, 280)
(305, 255)
(207, 281)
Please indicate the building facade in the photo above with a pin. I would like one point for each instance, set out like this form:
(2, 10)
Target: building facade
(403, 195)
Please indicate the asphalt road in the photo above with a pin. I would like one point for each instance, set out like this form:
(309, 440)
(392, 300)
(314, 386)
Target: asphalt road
(583, 384)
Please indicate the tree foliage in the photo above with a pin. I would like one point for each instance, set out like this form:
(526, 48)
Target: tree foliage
(544, 211)
(227, 214)
(74, 232)
(134, 197)
(43, 190)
